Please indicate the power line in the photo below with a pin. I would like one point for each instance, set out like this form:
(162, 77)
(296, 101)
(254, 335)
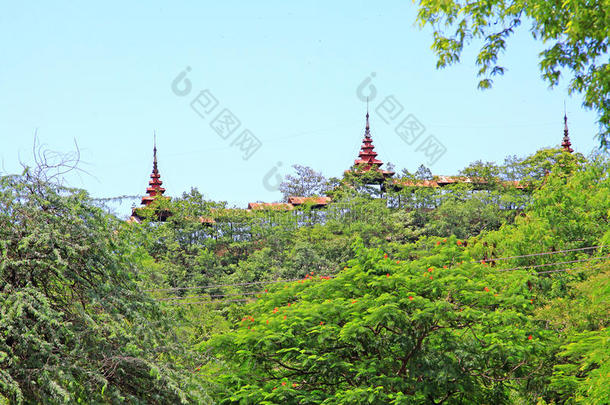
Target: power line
(212, 301)
(170, 289)
(230, 285)
(209, 296)
(556, 263)
(218, 285)
(559, 271)
(541, 254)
(256, 298)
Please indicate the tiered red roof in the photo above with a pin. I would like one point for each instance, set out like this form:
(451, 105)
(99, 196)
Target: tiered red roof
(367, 158)
(154, 185)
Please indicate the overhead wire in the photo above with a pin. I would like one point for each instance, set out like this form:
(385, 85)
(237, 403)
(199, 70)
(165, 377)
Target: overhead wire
(534, 266)
(183, 299)
(541, 254)
(228, 285)
(209, 296)
(212, 301)
(256, 298)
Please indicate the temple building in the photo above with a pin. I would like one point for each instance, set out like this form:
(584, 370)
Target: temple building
(367, 158)
(153, 191)
(366, 162)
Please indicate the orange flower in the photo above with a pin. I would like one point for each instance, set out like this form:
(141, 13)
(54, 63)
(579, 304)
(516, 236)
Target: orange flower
(266, 290)
(283, 382)
(294, 385)
(274, 310)
(311, 273)
(321, 323)
(459, 242)
(482, 261)
(289, 303)
(397, 261)
(385, 256)
(411, 297)
(529, 337)
(438, 243)
(430, 277)
(445, 240)
(430, 269)
(486, 289)
(284, 316)
(267, 321)
(387, 275)
(532, 300)
(353, 301)
(444, 267)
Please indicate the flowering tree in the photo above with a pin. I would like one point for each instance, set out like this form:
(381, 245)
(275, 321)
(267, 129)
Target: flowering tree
(438, 329)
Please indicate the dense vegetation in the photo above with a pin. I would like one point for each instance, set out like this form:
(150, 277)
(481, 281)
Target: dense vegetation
(389, 295)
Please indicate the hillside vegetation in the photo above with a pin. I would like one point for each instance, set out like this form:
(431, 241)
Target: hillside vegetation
(466, 294)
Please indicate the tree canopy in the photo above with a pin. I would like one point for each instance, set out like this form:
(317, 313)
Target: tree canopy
(576, 35)
(476, 292)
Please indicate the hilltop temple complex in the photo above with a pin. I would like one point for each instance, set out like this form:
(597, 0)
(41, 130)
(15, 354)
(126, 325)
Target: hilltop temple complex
(366, 161)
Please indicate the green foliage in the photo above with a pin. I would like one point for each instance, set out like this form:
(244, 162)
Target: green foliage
(581, 373)
(575, 32)
(467, 217)
(382, 332)
(464, 337)
(305, 183)
(74, 326)
(98, 310)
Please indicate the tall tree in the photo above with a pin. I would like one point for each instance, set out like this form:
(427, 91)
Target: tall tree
(385, 332)
(74, 326)
(305, 183)
(423, 173)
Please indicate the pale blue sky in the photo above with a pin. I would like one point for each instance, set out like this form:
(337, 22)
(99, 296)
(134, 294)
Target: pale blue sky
(102, 74)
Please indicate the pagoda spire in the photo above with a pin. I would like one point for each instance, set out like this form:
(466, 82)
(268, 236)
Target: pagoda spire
(367, 158)
(155, 169)
(367, 128)
(566, 144)
(154, 188)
